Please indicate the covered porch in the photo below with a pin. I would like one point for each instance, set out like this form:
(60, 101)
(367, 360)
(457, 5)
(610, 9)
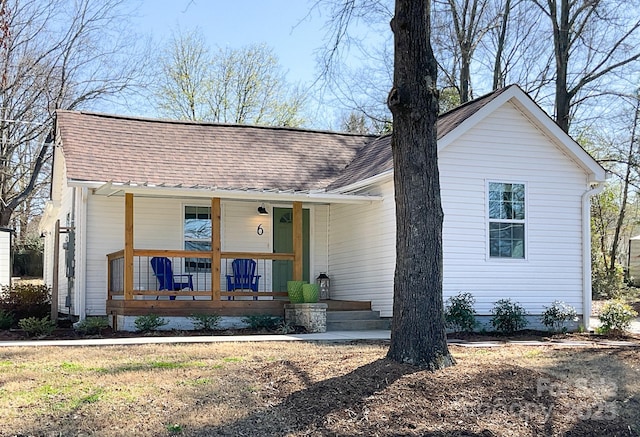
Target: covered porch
(133, 288)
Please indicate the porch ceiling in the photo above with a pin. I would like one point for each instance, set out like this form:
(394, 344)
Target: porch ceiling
(239, 193)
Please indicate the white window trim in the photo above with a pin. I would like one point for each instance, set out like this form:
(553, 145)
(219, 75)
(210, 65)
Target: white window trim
(184, 205)
(488, 256)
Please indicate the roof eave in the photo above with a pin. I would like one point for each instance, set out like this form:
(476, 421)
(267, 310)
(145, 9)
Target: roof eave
(364, 183)
(147, 190)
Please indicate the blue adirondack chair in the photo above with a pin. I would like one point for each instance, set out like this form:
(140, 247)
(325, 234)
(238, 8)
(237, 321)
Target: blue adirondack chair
(166, 279)
(244, 276)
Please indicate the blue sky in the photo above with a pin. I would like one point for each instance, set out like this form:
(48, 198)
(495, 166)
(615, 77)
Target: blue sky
(284, 25)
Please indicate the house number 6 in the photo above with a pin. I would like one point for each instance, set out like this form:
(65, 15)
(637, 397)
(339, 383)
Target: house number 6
(260, 231)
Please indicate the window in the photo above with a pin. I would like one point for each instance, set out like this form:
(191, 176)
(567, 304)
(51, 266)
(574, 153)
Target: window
(506, 220)
(197, 236)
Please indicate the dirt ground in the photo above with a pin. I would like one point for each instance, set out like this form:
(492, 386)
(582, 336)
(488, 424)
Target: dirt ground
(311, 389)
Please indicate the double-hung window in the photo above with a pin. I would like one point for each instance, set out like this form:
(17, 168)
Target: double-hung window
(197, 236)
(506, 220)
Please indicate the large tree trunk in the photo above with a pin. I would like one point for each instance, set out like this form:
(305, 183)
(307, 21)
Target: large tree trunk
(417, 333)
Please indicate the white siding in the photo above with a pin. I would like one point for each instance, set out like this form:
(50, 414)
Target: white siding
(62, 202)
(105, 234)
(5, 258)
(505, 147)
(319, 254)
(66, 216)
(240, 222)
(362, 251)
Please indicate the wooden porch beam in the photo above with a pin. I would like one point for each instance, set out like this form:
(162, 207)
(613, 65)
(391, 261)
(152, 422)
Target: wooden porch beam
(128, 246)
(215, 249)
(297, 241)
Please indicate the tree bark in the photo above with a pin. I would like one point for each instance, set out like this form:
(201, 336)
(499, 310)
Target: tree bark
(498, 76)
(417, 332)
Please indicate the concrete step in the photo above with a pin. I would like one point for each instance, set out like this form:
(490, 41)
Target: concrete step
(335, 316)
(358, 325)
(356, 321)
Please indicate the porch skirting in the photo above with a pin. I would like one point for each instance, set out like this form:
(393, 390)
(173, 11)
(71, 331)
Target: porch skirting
(231, 308)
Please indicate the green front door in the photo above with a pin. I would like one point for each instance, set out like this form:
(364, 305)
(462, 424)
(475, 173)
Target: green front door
(283, 243)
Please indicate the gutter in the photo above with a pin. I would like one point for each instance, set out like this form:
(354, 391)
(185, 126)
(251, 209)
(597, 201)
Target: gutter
(112, 189)
(364, 183)
(586, 253)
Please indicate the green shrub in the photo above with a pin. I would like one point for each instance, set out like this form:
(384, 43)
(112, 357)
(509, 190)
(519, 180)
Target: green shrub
(508, 316)
(26, 300)
(557, 315)
(615, 317)
(91, 325)
(263, 322)
(205, 322)
(148, 323)
(285, 328)
(6, 319)
(459, 314)
(606, 284)
(35, 327)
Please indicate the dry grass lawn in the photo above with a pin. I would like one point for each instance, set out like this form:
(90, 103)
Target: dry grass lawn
(308, 389)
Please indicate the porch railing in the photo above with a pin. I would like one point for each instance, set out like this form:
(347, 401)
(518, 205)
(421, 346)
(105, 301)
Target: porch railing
(209, 282)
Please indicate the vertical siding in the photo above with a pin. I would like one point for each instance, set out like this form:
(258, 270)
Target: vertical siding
(503, 147)
(5, 258)
(634, 260)
(362, 251)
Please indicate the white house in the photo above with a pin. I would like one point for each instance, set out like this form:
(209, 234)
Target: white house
(515, 193)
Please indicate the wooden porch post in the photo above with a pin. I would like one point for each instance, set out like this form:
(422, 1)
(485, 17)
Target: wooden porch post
(297, 241)
(215, 249)
(128, 246)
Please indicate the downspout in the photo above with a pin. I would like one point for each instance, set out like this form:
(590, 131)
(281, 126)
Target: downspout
(586, 253)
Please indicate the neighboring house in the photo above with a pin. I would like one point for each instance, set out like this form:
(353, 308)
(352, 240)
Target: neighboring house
(633, 262)
(515, 193)
(5, 256)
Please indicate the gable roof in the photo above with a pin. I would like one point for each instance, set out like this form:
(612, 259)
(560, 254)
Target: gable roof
(136, 151)
(377, 157)
(107, 148)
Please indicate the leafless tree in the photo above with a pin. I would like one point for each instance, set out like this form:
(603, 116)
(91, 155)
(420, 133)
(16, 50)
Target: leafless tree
(462, 24)
(244, 85)
(593, 41)
(57, 54)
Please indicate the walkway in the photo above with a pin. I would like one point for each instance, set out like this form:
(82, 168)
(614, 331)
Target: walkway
(332, 336)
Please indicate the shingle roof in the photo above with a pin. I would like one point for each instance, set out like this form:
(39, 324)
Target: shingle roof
(99, 147)
(109, 148)
(377, 157)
